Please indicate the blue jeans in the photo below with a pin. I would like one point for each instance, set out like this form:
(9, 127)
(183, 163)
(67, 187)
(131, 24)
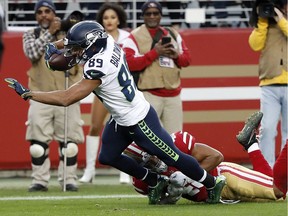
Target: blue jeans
(274, 107)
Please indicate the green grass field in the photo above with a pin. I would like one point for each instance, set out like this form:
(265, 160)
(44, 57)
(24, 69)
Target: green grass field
(114, 199)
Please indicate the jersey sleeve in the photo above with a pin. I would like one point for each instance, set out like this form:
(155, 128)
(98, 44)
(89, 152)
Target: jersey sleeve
(184, 141)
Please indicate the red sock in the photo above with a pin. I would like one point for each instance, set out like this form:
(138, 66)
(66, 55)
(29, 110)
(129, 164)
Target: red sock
(280, 170)
(259, 163)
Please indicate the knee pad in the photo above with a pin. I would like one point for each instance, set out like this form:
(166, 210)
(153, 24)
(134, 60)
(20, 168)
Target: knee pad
(38, 152)
(71, 150)
(71, 153)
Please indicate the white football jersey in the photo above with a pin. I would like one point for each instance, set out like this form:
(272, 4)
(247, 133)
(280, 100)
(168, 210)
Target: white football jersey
(118, 91)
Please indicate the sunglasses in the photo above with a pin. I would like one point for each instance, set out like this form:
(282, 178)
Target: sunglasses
(46, 11)
(151, 13)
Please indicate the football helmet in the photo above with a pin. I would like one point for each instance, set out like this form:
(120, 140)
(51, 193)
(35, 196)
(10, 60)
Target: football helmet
(83, 40)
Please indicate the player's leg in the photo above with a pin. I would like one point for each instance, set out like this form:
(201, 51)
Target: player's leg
(247, 138)
(246, 183)
(115, 139)
(98, 115)
(151, 137)
(280, 170)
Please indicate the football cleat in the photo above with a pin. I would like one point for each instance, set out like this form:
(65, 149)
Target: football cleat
(214, 194)
(154, 193)
(247, 136)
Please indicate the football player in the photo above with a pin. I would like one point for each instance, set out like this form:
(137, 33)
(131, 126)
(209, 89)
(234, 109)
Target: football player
(242, 183)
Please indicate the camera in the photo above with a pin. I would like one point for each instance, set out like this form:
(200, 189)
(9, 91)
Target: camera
(266, 9)
(72, 19)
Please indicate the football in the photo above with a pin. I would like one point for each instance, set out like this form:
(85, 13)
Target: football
(59, 62)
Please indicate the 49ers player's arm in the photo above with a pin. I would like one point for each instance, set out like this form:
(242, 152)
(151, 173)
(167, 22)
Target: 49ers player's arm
(208, 157)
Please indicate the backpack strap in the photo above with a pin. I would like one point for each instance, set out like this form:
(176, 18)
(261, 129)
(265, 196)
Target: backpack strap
(37, 32)
(171, 32)
(159, 34)
(156, 38)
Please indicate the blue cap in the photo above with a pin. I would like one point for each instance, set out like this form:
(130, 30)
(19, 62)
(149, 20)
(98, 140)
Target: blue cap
(44, 3)
(151, 4)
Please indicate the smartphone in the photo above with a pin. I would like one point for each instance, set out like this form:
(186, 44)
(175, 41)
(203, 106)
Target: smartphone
(166, 40)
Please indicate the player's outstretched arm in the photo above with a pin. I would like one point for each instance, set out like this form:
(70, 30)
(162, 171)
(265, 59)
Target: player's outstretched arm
(73, 94)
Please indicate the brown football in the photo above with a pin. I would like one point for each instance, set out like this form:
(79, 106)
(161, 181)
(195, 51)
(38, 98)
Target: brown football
(59, 62)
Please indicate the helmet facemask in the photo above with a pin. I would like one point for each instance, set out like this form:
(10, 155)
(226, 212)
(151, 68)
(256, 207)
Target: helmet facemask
(74, 51)
(84, 40)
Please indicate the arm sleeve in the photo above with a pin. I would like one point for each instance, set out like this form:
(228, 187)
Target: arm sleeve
(258, 36)
(34, 47)
(135, 60)
(283, 25)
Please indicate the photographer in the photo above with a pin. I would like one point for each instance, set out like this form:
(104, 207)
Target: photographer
(269, 19)
(45, 122)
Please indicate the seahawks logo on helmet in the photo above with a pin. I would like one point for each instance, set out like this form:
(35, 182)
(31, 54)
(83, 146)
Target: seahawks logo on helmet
(94, 35)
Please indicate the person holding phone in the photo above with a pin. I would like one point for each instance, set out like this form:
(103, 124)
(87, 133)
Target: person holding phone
(157, 55)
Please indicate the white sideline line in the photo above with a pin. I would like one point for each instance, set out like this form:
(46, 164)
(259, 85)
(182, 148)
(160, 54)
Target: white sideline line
(71, 197)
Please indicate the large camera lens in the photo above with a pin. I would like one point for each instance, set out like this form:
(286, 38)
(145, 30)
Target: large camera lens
(266, 10)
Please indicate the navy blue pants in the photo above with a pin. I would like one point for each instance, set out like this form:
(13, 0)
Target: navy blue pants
(153, 138)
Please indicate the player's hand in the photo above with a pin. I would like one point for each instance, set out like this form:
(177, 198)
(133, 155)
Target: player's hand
(18, 87)
(50, 49)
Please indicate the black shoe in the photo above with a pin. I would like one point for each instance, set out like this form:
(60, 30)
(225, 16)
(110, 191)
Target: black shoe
(37, 187)
(247, 136)
(71, 187)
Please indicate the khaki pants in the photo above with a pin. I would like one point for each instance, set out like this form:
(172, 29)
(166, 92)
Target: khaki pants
(46, 123)
(169, 111)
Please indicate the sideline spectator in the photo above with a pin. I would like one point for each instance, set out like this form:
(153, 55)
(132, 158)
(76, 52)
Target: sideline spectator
(46, 122)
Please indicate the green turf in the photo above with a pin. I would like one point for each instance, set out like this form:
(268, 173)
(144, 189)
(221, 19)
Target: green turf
(136, 206)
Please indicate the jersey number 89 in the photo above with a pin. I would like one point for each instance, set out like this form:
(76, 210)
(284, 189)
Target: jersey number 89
(125, 80)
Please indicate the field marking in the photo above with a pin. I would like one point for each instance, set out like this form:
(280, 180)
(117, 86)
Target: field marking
(71, 197)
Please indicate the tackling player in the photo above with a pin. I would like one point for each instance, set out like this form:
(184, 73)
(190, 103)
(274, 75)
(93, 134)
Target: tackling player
(242, 183)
